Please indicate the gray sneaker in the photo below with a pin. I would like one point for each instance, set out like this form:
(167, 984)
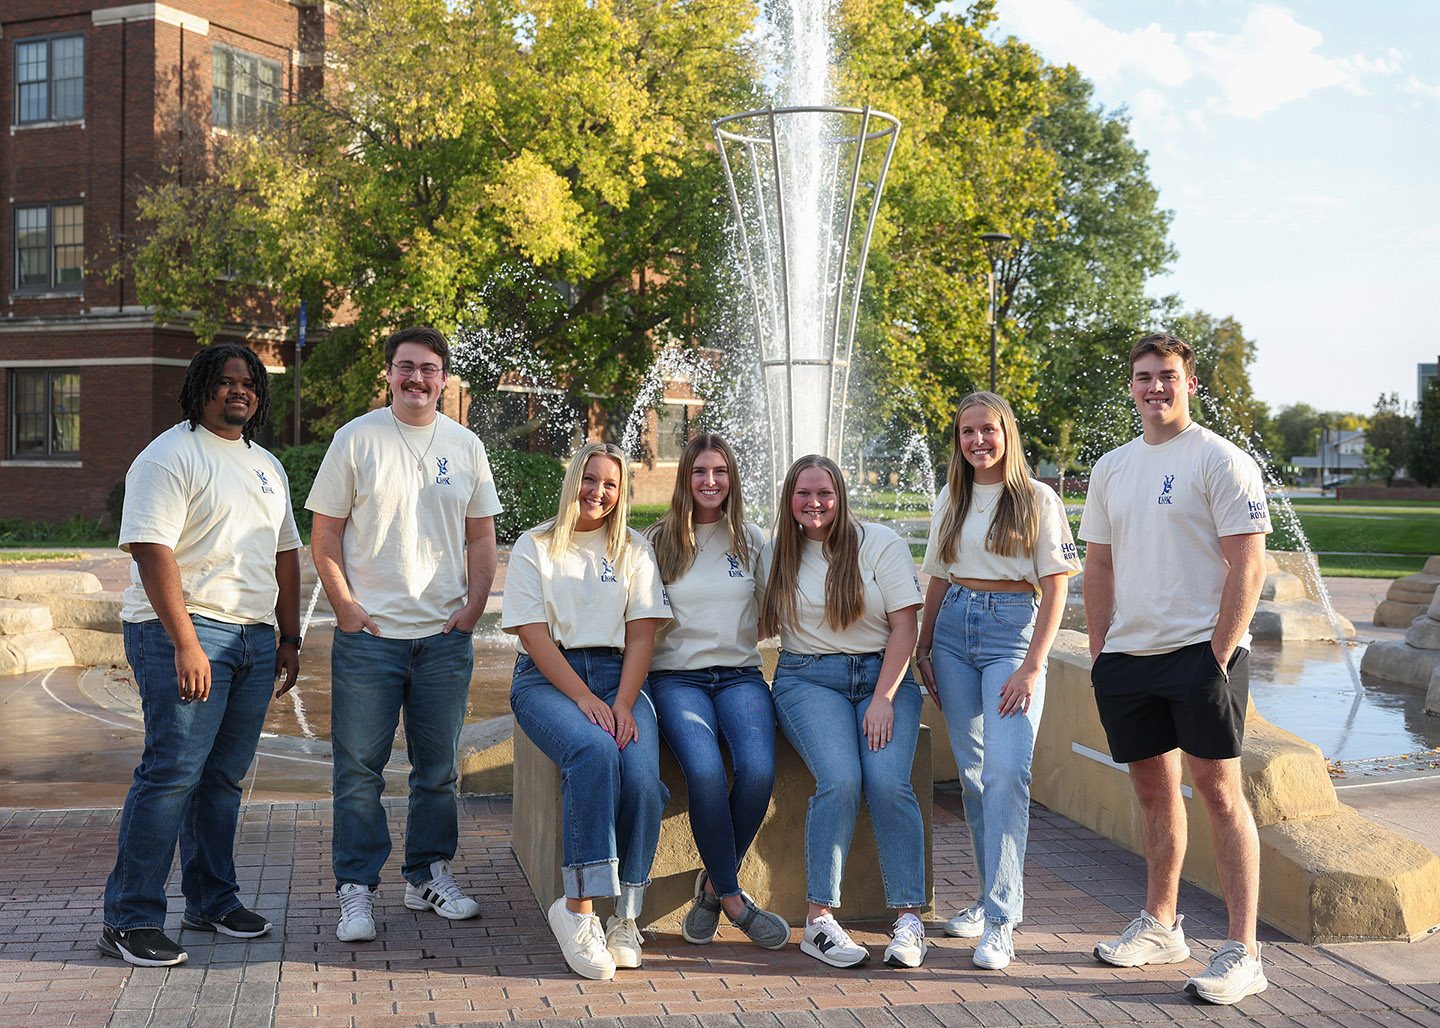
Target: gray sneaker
(702, 920)
(1232, 975)
(1146, 941)
(763, 927)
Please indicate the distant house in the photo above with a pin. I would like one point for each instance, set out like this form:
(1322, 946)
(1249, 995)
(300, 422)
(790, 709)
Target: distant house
(1339, 456)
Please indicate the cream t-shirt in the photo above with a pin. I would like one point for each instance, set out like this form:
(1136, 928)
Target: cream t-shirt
(1163, 510)
(583, 595)
(887, 572)
(715, 606)
(224, 509)
(404, 543)
(1054, 545)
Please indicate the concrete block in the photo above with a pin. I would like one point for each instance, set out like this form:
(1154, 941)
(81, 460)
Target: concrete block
(1285, 776)
(18, 617)
(1434, 609)
(1423, 633)
(1298, 619)
(1394, 614)
(1432, 566)
(774, 869)
(93, 647)
(487, 757)
(24, 583)
(1418, 588)
(32, 651)
(1396, 661)
(100, 611)
(1282, 587)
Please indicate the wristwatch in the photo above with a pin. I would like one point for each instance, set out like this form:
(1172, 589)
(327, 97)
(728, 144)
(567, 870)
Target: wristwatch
(293, 640)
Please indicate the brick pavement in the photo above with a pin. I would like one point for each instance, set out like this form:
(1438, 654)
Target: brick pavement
(504, 967)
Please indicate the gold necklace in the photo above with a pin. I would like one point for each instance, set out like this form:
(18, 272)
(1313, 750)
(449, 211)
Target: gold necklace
(420, 460)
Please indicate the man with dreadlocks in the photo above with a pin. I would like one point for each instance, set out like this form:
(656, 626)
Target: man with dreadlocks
(207, 520)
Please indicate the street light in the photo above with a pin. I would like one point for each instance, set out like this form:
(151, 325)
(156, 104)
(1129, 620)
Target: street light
(993, 241)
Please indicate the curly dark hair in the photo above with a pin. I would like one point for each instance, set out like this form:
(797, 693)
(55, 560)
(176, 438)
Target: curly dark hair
(202, 382)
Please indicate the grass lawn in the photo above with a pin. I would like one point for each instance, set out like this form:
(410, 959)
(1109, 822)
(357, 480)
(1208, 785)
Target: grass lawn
(40, 556)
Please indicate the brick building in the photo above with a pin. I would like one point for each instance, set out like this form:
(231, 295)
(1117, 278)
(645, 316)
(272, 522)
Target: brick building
(99, 97)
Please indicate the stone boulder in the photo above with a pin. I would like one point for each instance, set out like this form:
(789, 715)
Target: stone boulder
(14, 584)
(33, 651)
(97, 611)
(18, 617)
(1409, 597)
(93, 647)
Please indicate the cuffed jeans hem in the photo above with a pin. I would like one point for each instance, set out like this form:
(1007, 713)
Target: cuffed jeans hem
(133, 927)
(599, 879)
(195, 915)
(630, 900)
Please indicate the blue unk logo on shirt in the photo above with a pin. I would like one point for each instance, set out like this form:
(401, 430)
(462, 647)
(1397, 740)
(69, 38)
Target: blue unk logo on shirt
(1165, 496)
(607, 570)
(735, 571)
(264, 482)
(442, 470)
(1067, 550)
(1257, 511)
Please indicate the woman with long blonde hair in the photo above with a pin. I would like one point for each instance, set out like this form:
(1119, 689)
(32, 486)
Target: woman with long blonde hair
(706, 683)
(583, 597)
(843, 597)
(999, 556)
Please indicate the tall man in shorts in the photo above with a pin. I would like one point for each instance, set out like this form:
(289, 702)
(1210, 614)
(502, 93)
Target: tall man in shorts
(1175, 523)
(404, 544)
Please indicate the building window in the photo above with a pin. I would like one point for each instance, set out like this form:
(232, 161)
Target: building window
(50, 79)
(49, 247)
(45, 414)
(246, 91)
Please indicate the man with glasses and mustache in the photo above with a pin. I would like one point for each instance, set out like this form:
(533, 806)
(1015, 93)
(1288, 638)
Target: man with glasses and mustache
(404, 544)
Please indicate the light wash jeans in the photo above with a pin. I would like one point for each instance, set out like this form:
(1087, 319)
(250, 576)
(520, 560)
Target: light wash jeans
(698, 710)
(980, 639)
(188, 781)
(611, 800)
(373, 680)
(820, 702)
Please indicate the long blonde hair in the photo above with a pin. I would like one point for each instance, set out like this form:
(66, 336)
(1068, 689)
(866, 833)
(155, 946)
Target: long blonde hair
(673, 536)
(617, 522)
(1016, 521)
(844, 593)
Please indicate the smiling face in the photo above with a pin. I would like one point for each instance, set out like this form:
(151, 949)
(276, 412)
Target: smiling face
(709, 486)
(233, 402)
(814, 502)
(1161, 391)
(982, 442)
(599, 492)
(417, 377)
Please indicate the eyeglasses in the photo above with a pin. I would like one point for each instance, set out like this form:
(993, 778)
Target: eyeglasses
(406, 369)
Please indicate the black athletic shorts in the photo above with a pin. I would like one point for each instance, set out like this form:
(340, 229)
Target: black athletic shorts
(1152, 705)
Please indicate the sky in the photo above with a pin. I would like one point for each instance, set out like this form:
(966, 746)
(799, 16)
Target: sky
(1299, 148)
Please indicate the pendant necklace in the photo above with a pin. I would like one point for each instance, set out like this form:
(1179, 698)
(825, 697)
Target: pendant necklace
(420, 460)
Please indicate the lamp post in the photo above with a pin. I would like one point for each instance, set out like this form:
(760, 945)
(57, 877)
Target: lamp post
(993, 241)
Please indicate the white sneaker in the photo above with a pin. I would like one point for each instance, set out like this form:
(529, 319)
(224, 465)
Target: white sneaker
(907, 943)
(825, 940)
(1232, 975)
(623, 940)
(967, 924)
(441, 894)
(996, 948)
(1146, 941)
(581, 941)
(357, 913)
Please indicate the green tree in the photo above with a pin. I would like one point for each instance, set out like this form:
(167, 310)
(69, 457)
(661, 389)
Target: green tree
(1388, 433)
(538, 168)
(1424, 450)
(1223, 356)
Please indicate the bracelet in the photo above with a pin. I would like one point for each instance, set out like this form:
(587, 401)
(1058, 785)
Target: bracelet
(921, 660)
(293, 640)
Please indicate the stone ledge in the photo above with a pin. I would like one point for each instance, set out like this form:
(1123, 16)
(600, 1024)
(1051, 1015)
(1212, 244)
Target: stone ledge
(1397, 661)
(99, 611)
(1394, 614)
(21, 583)
(34, 651)
(19, 617)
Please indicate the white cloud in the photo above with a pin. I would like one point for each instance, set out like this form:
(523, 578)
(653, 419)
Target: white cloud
(1066, 34)
(1268, 63)
(1425, 90)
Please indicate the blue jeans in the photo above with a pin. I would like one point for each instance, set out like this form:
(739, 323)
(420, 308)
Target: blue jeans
(697, 710)
(373, 679)
(611, 800)
(980, 639)
(820, 702)
(188, 783)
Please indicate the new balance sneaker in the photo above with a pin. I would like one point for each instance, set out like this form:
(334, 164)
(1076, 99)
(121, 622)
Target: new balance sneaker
(825, 940)
(581, 942)
(441, 894)
(967, 924)
(240, 923)
(762, 927)
(907, 943)
(1146, 941)
(623, 940)
(357, 913)
(1232, 975)
(702, 920)
(996, 948)
(143, 947)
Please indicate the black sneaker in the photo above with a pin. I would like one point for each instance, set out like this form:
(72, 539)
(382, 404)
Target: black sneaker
(143, 947)
(241, 923)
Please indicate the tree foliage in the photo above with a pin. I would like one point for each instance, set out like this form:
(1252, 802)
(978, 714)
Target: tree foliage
(1387, 438)
(1424, 450)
